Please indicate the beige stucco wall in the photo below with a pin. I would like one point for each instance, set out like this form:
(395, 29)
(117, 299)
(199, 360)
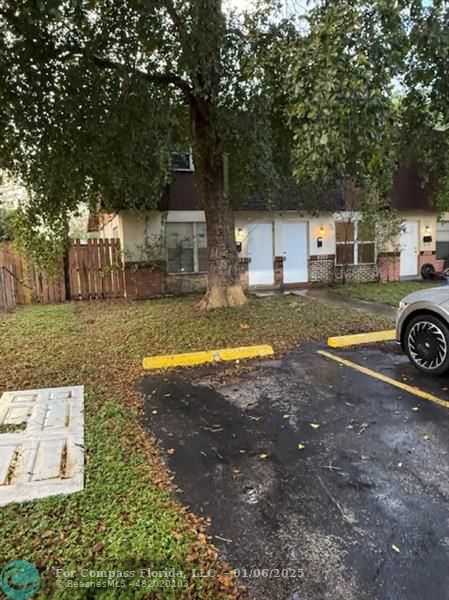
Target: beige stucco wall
(424, 219)
(326, 221)
(136, 230)
(112, 225)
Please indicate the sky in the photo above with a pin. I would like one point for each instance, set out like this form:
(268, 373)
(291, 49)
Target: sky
(290, 5)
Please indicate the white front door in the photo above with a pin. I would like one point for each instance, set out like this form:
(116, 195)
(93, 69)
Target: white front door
(409, 248)
(260, 253)
(295, 245)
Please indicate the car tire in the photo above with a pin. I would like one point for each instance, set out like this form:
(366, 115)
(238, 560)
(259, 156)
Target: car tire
(426, 341)
(427, 271)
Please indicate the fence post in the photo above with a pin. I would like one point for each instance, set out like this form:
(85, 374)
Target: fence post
(66, 274)
(2, 290)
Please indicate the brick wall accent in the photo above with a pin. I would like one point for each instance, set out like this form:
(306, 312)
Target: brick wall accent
(389, 266)
(430, 257)
(179, 284)
(243, 268)
(356, 273)
(142, 281)
(278, 270)
(322, 268)
(190, 283)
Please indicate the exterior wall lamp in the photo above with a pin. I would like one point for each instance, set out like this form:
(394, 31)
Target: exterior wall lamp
(239, 239)
(319, 239)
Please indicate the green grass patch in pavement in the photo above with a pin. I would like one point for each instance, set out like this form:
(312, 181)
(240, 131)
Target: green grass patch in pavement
(126, 518)
(384, 293)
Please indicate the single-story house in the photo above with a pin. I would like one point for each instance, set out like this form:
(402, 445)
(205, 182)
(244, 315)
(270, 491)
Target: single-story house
(282, 247)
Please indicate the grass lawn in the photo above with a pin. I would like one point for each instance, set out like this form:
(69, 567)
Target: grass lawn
(126, 518)
(385, 293)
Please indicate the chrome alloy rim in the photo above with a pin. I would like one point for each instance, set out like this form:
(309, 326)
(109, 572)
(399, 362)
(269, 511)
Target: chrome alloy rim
(427, 345)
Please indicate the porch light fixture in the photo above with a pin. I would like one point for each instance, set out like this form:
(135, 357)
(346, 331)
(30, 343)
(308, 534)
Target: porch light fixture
(427, 237)
(239, 238)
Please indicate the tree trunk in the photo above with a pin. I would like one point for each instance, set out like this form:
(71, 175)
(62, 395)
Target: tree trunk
(223, 283)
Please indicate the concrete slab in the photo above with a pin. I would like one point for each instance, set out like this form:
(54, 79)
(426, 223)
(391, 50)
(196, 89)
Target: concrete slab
(41, 443)
(371, 308)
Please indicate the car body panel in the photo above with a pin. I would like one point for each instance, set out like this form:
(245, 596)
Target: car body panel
(434, 300)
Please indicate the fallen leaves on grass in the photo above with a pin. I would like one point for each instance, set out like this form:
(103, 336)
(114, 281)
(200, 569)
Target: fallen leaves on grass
(101, 344)
(97, 547)
(127, 481)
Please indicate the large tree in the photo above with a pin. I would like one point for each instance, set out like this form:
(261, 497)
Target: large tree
(94, 94)
(370, 88)
(343, 108)
(425, 116)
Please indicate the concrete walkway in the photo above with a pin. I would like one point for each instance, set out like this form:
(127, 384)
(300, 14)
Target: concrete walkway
(372, 308)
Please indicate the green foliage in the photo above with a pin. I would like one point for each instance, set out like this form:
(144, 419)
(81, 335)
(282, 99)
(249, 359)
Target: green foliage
(384, 293)
(45, 242)
(94, 95)
(341, 75)
(425, 122)
(6, 225)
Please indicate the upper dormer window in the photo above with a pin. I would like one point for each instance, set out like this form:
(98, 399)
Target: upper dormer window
(182, 161)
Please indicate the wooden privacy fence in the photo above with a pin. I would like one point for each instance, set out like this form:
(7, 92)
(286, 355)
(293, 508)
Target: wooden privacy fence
(95, 270)
(90, 270)
(7, 298)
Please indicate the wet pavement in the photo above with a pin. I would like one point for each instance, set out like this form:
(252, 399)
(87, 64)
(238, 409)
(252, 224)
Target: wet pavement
(321, 482)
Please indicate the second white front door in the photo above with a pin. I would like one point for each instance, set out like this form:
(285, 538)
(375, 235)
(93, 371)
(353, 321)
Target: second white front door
(409, 249)
(295, 246)
(260, 253)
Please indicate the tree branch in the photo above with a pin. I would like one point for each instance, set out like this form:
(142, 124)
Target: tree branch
(164, 79)
(173, 14)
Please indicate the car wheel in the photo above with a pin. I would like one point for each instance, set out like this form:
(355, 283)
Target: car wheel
(427, 271)
(426, 342)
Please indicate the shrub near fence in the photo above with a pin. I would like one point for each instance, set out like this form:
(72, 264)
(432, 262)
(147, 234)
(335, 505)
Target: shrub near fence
(91, 270)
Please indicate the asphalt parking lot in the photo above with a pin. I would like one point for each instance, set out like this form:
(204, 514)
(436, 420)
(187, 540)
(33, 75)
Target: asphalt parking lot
(321, 481)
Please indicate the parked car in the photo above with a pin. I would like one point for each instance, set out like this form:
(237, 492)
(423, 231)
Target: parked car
(422, 328)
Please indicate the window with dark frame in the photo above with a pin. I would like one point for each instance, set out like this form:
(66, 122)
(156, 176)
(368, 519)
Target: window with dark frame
(182, 161)
(442, 240)
(186, 245)
(356, 243)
